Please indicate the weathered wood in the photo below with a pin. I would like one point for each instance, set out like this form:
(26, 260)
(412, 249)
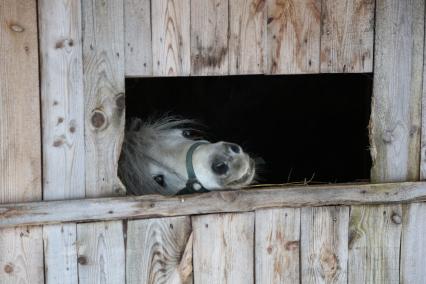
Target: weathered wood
(209, 37)
(347, 36)
(396, 107)
(277, 246)
(324, 244)
(294, 36)
(103, 55)
(60, 253)
(63, 127)
(171, 38)
(374, 244)
(101, 255)
(21, 249)
(151, 206)
(138, 45)
(154, 249)
(21, 257)
(223, 250)
(247, 39)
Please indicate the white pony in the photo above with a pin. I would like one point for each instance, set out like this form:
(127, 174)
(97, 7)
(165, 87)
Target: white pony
(163, 157)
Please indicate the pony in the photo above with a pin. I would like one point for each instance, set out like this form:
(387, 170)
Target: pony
(166, 156)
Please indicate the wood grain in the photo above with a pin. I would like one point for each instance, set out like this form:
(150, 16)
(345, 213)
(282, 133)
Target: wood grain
(209, 37)
(324, 244)
(154, 206)
(63, 127)
(171, 37)
(101, 254)
(21, 257)
(223, 250)
(277, 245)
(21, 249)
(347, 36)
(396, 107)
(293, 36)
(247, 39)
(103, 55)
(374, 244)
(154, 249)
(138, 44)
(60, 253)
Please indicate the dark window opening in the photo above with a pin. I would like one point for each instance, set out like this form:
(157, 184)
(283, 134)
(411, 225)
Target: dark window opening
(304, 127)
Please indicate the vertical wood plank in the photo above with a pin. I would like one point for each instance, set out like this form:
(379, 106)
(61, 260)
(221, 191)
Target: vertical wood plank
(63, 127)
(103, 55)
(101, 245)
(247, 41)
(101, 256)
(347, 36)
(396, 106)
(374, 244)
(223, 249)
(60, 253)
(21, 257)
(413, 249)
(395, 138)
(277, 246)
(324, 244)
(21, 249)
(293, 36)
(171, 38)
(154, 249)
(209, 37)
(138, 47)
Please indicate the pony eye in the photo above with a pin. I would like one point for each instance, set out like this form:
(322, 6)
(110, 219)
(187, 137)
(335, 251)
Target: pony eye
(187, 133)
(160, 180)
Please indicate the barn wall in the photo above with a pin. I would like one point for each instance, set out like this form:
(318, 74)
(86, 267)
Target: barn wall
(84, 51)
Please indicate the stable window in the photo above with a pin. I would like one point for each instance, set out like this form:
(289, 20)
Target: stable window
(302, 128)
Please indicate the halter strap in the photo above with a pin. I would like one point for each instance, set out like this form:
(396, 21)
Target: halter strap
(193, 185)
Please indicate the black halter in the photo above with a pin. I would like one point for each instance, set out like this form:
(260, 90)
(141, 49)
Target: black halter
(193, 185)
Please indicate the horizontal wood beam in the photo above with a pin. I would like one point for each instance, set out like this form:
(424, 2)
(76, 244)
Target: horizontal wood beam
(150, 206)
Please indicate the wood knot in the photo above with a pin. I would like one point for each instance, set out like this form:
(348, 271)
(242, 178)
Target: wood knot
(291, 245)
(17, 28)
(396, 218)
(269, 249)
(98, 119)
(82, 260)
(329, 262)
(120, 101)
(229, 196)
(8, 268)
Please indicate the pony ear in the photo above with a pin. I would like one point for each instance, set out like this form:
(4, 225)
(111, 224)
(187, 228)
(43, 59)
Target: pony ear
(135, 124)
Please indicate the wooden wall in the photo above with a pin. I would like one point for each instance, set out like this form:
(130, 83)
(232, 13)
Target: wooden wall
(62, 71)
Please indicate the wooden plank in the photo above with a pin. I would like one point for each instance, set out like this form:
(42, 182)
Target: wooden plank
(154, 249)
(293, 36)
(21, 257)
(324, 244)
(374, 244)
(394, 135)
(412, 244)
(347, 36)
(154, 206)
(223, 250)
(60, 253)
(414, 215)
(247, 39)
(101, 255)
(396, 107)
(171, 38)
(277, 246)
(138, 47)
(209, 37)
(63, 127)
(103, 55)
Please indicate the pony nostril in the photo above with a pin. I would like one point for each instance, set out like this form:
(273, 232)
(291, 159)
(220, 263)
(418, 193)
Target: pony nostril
(234, 148)
(220, 168)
